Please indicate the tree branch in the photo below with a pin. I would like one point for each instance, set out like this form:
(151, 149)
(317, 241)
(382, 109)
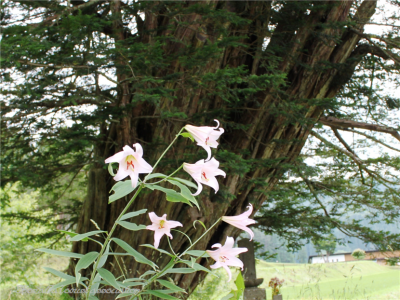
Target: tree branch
(374, 139)
(369, 38)
(356, 159)
(53, 66)
(58, 16)
(341, 140)
(345, 124)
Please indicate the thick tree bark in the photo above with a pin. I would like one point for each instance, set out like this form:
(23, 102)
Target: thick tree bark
(306, 52)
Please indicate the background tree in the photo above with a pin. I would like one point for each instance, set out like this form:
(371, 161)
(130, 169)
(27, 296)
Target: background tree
(326, 246)
(84, 78)
(358, 254)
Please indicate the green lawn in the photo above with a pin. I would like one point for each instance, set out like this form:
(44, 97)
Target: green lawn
(355, 280)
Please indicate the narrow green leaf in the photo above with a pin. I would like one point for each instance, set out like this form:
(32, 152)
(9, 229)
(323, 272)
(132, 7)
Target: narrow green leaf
(149, 272)
(160, 295)
(155, 175)
(104, 257)
(200, 223)
(122, 295)
(172, 195)
(185, 192)
(187, 135)
(93, 298)
(109, 278)
(86, 261)
(72, 234)
(133, 279)
(198, 267)
(239, 282)
(121, 189)
(110, 170)
(95, 285)
(136, 255)
(58, 273)
(159, 250)
(77, 278)
(60, 253)
(181, 270)
(129, 284)
(131, 226)
(61, 284)
(198, 253)
(171, 286)
(184, 181)
(85, 235)
(133, 214)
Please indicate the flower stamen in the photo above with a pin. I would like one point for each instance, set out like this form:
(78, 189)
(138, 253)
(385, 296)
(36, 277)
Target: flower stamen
(203, 175)
(223, 258)
(129, 163)
(161, 224)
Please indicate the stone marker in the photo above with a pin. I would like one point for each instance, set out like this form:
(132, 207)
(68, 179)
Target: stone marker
(251, 291)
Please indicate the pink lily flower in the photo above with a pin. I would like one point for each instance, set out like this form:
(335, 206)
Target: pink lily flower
(225, 256)
(206, 136)
(131, 163)
(161, 226)
(242, 221)
(204, 173)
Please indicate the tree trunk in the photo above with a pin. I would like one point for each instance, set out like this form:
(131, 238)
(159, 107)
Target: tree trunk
(308, 53)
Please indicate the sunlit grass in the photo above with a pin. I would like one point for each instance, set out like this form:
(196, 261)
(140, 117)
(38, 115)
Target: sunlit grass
(355, 280)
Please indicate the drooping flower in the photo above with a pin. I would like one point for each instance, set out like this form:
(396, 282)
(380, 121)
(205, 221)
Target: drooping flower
(131, 163)
(204, 173)
(206, 136)
(161, 226)
(242, 221)
(225, 256)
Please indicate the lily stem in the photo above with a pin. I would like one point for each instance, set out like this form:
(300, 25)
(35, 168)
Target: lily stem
(109, 238)
(184, 252)
(166, 178)
(166, 150)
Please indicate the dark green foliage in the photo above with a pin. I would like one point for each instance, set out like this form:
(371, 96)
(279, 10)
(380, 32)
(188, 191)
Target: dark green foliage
(81, 83)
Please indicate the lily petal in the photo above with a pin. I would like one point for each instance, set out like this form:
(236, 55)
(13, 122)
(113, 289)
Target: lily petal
(204, 173)
(161, 226)
(242, 221)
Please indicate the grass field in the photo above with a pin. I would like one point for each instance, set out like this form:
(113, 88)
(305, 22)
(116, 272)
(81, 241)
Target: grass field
(355, 280)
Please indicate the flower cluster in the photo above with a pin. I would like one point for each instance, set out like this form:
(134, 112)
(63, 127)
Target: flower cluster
(204, 171)
(275, 284)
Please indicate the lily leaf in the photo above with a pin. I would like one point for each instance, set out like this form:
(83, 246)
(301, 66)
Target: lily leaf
(61, 284)
(159, 250)
(172, 195)
(109, 278)
(136, 255)
(121, 189)
(133, 214)
(181, 270)
(187, 135)
(198, 253)
(73, 234)
(131, 226)
(86, 261)
(58, 273)
(185, 192)
(60, 253)
(171, 286)
(85, 235)
(160, 294)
